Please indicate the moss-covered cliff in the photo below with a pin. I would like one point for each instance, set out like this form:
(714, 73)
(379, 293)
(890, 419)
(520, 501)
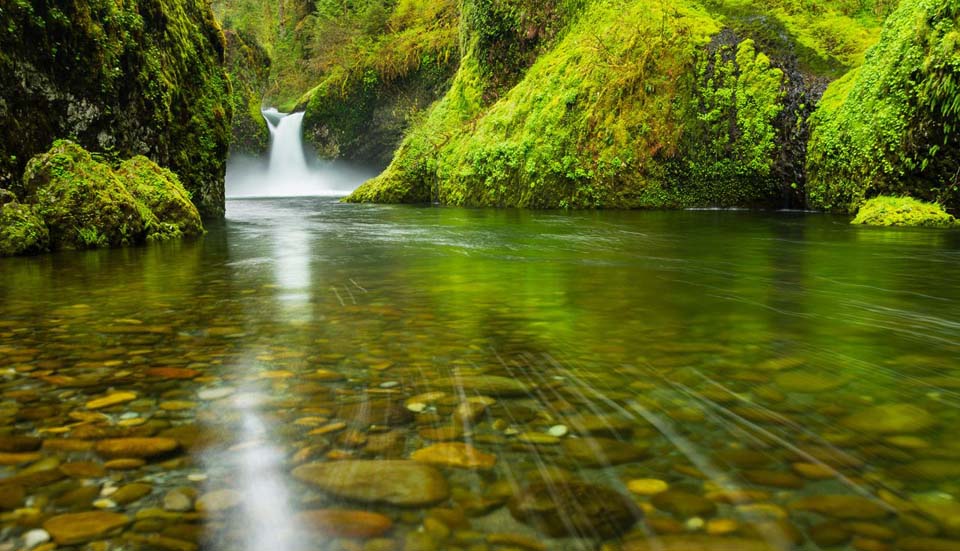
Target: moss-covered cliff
(893, 125)
(139, 77)
(248, 68)
(626, 104)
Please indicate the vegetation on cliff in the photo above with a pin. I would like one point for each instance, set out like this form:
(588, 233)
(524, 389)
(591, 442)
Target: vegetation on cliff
(635, 104)
(903, 211)
(73, 201)
(893, 125)
(248, 69)
(141, 77)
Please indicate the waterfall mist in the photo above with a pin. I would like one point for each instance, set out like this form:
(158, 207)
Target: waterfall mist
(287, 173)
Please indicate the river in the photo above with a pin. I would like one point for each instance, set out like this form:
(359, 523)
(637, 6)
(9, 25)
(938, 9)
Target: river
(317, 375)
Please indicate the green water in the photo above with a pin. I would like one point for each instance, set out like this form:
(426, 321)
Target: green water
(760, 365)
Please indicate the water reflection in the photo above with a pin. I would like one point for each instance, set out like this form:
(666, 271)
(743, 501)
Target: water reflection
(563, 381)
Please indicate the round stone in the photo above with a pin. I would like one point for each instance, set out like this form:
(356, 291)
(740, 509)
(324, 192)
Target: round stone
(135, 447)
(343, 523)
(647, 486)
(395, 482)
(683, 504)
(574, 509)
(455, 454)
(890, 418)
(74, 528)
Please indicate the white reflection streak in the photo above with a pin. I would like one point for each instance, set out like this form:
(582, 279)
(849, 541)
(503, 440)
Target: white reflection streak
(266, 514)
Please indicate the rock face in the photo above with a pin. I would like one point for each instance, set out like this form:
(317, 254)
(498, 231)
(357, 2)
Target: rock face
(574, 509)
(77, 528)
(394, 482)
(132, 78)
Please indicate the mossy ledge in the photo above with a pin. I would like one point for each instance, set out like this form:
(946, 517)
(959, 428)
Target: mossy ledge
(138, 77)
(903, 211)
(73, 201)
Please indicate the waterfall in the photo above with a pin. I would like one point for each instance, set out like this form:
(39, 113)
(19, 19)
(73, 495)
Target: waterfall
(286, 172)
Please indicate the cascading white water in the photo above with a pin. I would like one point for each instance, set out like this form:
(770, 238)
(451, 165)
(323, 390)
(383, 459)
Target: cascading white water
(288, 164)
(287, 173)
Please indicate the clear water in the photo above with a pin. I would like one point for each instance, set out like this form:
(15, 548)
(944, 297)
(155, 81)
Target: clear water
(788, 358)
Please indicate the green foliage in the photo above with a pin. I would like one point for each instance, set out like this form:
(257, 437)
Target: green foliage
(615, 104)
(378, 81)
(892, 127)
(22, 232)
(167, 210)
(903, 211)
(248, 68)
(134, 77)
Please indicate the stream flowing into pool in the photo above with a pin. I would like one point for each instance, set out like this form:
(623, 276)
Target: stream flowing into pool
(313, 375)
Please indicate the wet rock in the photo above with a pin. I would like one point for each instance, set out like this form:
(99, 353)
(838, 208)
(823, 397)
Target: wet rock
(135, 447)
(124, 464)
(930, 470)
(683, 504)
(486, 384)
(83, 469)
(776, 479)
(455, 454)
(699, 543)
(113, 399)
(78, 498)
(600, 425)
(574, 509)
(829, 534)
(647, 486)
(395, 482)
(74, 528)
(375, 412)
(844, 507)
(890, 418)
(177, 501)
(172, 373)
(11, 496)
(218, 501)
(19, 444)
(343, 523)
(131, 492)
(928, 544)
(602, 452)
(34, 538)
(469, 412)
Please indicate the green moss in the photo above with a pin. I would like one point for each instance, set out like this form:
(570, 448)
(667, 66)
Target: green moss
(892, 126)
(167, 210)
(618, 104)
(81, 201)
(22, 231)
(248, 68)
(133, 77)
(903, 211)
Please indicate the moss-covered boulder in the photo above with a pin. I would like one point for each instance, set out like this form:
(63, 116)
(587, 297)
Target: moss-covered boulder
(892, 126)
(167, 210)
(903, 211)
(22, 231)
(138, 77)
(81, 201)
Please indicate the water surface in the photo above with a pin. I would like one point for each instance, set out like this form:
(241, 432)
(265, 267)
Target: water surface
(640, 380)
